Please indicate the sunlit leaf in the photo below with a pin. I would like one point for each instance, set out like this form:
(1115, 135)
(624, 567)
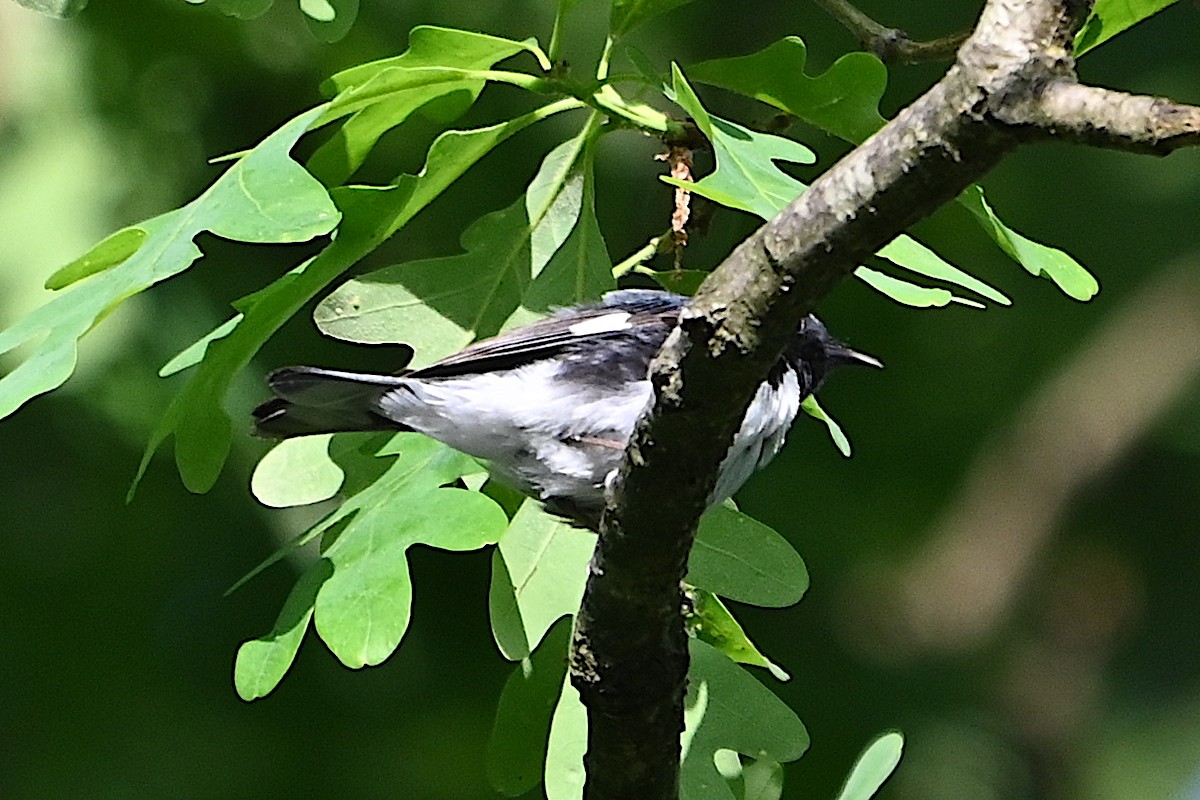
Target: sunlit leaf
(1037, 259)
(907, 252)
(874, 766)
(711, 622)
(910, 294)
(813, 408)
(361, 609)
(261, 663)
(196, 416)
(297, 472)
(516, 757)
(1110, 17)
(59, 9)
(746, 175)
(543, 560)
(843, 100)
(429, 47)
(266, 197)
(565, 776)
(544, 250)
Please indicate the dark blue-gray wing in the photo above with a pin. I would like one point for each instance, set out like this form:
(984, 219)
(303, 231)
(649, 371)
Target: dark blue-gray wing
(641, 316)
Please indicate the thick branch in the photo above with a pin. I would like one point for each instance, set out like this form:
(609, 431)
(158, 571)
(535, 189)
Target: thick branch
(1099, 117)
(630, 657)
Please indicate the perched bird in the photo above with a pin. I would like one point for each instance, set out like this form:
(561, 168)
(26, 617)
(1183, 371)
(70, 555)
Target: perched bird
(551, 406)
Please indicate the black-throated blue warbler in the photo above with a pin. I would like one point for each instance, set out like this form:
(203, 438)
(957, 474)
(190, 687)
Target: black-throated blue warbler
(550, 406)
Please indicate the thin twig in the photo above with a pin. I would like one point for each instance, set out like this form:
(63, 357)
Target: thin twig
(892, 45)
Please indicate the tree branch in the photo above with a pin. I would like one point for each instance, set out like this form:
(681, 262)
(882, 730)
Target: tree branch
(629, 659)
(892, 45)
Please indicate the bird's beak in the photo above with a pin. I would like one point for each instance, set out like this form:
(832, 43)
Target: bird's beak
(840, 354)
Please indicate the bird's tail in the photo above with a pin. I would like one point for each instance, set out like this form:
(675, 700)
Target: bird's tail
(313, 400)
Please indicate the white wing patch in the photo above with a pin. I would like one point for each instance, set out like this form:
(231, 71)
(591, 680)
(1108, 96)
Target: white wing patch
(608, 323)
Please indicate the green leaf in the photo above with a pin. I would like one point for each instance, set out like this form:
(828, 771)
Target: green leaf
(738, 557)
(811, 407)
(438, 61)
(370, 215)
(629, 14)
(329, 20)
(516, 757)
(59, 9)
(1110, 17)
(710, 621)
(726, 708)
(239, 9)
(543, 567)
(265, 197)
(844, 100)
(194, 353)
(542, 251)
(873, 767)
(680, 281)
(297, 472)
(429, 47)
(361, 609)
(909, 294)
(907, 252)
(762, 780)
(114, 249)
(1037, 259)
(261, 663)
(746, 176)
(564, 752)
(438, 305)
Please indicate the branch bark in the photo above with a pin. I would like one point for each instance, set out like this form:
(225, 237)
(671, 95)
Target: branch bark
(1013, 81)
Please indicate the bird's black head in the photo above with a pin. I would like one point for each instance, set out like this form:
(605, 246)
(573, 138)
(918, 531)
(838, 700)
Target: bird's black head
(814, 352)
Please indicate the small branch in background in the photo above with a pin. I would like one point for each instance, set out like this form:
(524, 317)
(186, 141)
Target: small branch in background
(892, 45)
(679, 157)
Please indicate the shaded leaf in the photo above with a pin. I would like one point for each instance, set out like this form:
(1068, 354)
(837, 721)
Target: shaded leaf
(516, 757)
(629, 14)
(843, 100)
(726, 708)
(329, 20)
(738, 557)
(265, 197)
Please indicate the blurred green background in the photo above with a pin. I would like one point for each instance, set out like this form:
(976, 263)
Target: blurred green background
(1004, 570)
